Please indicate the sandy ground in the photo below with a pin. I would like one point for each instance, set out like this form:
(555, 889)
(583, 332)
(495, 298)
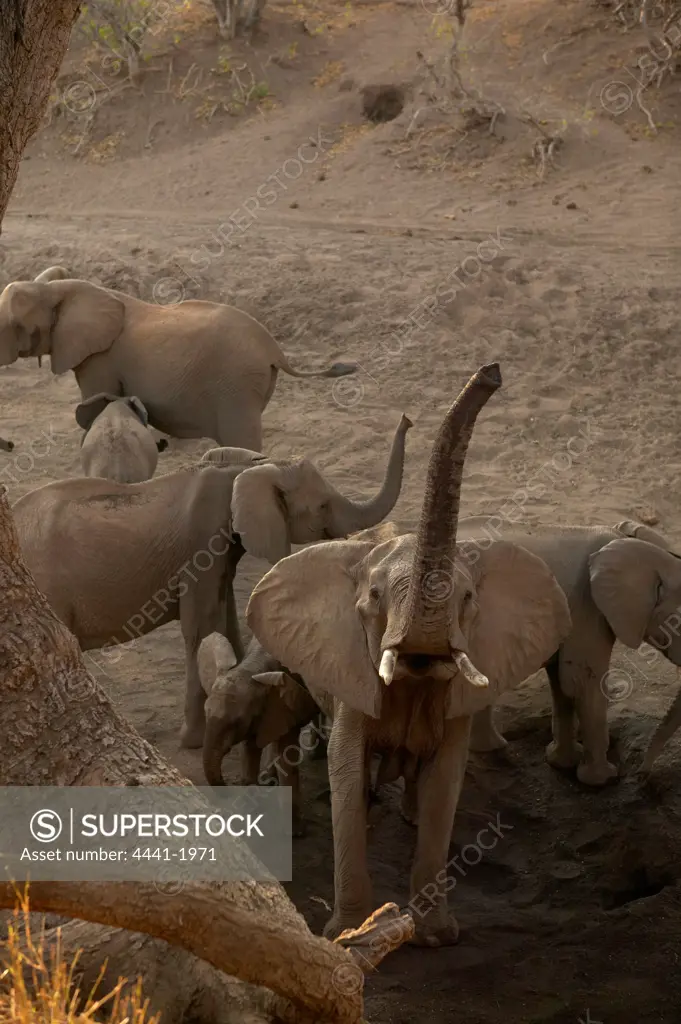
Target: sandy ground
(572, 285)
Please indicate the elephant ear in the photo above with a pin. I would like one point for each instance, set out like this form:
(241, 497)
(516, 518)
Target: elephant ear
(628, 528)
(303, 611)
(259, 513)
(520, 615)
(89, 320)
(624, 585)
(215, 655)
(88, 411)
(288, 704)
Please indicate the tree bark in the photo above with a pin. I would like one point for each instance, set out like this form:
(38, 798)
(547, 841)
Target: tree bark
(34, 36)
(58, 728)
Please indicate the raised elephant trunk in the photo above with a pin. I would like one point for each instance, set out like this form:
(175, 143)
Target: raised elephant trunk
(351, 516)
(424, 628)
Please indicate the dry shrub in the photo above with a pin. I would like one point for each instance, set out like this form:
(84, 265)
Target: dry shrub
(41, 988)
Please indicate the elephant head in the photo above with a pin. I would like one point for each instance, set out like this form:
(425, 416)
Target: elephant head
(277, 503)
(88, 411)
(352, 616)
(636, 585)
(69, 320)
(243, 703)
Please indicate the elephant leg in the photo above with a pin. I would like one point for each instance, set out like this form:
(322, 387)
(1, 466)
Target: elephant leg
(229, 614)
(352, 885)
(97, 375)
(194, 726)
(289, 775)
(199, 617)
(409, 807)
(439, 785)
(239, 424)
(231, 618)
(563, 751)
(592, 711)
(484, 734)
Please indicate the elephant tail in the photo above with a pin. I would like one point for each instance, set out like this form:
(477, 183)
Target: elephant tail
(335, 370)
(664, 732)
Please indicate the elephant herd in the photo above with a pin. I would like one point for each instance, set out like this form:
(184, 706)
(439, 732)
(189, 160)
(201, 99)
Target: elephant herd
(404, 641)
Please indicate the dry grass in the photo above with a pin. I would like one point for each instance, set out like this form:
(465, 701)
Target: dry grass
(38, 986)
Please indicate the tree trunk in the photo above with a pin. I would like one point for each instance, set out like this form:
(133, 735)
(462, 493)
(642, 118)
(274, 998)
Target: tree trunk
(58, 728)
(34, 36)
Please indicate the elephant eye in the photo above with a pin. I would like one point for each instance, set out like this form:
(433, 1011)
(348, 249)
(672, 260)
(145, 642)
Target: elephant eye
(374, 593)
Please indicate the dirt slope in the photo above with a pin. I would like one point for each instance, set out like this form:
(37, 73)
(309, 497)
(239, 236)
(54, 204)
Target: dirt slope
(573, 287)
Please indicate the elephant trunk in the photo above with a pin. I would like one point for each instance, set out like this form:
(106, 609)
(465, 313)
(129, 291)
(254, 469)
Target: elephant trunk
(424, 628)
(217, 743)
(351, 516)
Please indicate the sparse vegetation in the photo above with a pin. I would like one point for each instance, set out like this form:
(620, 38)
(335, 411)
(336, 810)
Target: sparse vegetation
(38, 986)
(119, 27)
(232, 16)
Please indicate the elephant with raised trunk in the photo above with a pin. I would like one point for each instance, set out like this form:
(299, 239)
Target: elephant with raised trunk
(116, 561)
(409, 645)
(202, 369)
(623, 583)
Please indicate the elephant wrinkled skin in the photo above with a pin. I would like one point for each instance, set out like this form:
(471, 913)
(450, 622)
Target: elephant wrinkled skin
(622, 583)
(117, 443)
(202, 369)
(399, 634)
(116, 561)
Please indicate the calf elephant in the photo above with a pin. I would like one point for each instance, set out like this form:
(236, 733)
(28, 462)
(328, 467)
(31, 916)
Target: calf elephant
(255, 702)
(409, 645)
(117, 443)
(116, 561)
(622, 583)
(202, 369)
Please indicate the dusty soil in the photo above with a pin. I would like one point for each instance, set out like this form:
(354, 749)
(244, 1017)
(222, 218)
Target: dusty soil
(575, 912)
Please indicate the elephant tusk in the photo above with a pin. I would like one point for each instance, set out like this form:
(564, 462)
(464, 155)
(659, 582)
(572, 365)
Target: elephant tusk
(468, 670)
(387, 667)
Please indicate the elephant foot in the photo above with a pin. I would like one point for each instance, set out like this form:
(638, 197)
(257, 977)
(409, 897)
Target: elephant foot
(191, 736)
(443, 931)
(341, 922)
(597, 774)
(565, 756)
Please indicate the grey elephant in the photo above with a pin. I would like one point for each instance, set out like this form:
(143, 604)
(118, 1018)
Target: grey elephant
(116, 561)
(202, 369)
(117, 443)
(257, 703)
(409, 645)
(622, 583)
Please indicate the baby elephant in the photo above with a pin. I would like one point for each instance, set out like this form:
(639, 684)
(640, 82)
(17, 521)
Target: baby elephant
(256, 702)
(117, 443)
